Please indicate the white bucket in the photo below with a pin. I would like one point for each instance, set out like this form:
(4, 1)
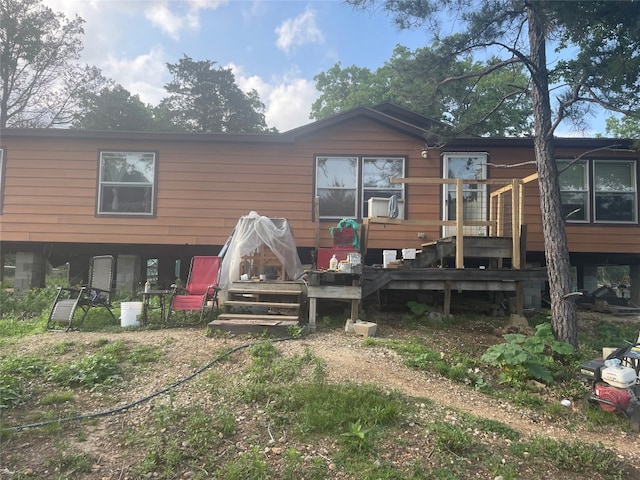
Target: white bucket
(388, 256)
(129, 313)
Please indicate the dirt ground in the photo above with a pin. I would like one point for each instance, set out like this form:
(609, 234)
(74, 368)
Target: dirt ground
(346, 358)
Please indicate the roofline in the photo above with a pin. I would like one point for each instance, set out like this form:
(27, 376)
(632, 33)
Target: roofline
(289, 136)
(368, 112)
(151, 136)
(558, 142)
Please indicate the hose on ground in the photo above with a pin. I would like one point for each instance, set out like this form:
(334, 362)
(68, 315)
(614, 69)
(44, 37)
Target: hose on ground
(141, 400)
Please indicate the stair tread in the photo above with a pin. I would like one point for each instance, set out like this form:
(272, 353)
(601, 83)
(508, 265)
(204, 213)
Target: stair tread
(249, 303)
(275, 319)
(262, 291)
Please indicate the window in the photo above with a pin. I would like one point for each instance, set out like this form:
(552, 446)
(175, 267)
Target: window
(615, 191)
(127, 183)
(574, 190)
(377, 174)
(337, 186)
(344, 184)
(599, 191)
(1, 177)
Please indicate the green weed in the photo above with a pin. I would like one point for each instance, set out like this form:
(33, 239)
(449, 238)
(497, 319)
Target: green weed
(90, 371)
(522, 357)
(573, 456)
(451, 438)
(55, 398)
(246, 466)
(71, 464)
(357, 438)
(144, 354)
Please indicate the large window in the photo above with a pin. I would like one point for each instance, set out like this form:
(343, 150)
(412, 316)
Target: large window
(599, 191)
(345, 184)
(574, 190)
(615, 191)
(1, 177)
(127, 183)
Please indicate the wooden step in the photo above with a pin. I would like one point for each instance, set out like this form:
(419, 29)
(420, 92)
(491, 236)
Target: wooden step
(252, 326)
(263, 291)
(248, 303)
(253, 317)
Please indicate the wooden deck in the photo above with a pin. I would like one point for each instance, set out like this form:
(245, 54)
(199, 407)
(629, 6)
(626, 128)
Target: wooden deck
(448, 279)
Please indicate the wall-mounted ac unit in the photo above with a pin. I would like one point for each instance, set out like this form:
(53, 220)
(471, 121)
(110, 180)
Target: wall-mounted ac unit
(379, 207)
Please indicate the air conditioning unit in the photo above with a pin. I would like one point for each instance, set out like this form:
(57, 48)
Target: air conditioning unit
(379, 207)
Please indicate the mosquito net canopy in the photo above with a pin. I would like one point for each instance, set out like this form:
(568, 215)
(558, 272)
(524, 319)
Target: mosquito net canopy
(251, 233)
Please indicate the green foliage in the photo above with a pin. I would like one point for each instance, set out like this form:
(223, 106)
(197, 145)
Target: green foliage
(357, 438)
(522, 357)
(11, 392)
(321, 408)
(114, 108)
(418, 309)
(416, 80)
(573, 456)
(459, 367)
(625, 127)
(246, 466)
(28, 304)
(607, 334)
(143, 354)
(71, 464)
(206, 99)
(13, 370)
(451, 438)
(40, 75)
(54, 398)
(90, 371)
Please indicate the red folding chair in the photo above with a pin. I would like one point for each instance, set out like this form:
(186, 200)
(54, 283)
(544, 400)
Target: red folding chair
(201, 291)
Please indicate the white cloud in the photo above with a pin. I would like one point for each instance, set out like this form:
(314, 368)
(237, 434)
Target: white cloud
(162, 16)
(289, 104)
(142, 75)
(287, 100)
(298, 31)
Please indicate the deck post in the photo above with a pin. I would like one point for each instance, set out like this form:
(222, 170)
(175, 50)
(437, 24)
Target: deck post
(519, 297)
(515, 223)
(446, 308)
(312, 314)
(459, 224)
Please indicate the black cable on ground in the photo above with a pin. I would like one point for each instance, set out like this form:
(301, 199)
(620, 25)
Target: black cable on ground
(141, 400)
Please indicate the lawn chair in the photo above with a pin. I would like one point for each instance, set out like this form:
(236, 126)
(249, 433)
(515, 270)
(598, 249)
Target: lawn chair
(201, 291)
(96, 294)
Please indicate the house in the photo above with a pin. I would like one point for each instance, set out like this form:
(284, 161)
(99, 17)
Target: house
(66, 195)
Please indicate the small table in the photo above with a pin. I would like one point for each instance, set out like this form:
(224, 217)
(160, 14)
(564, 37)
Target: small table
(146, 300)
(333, 286)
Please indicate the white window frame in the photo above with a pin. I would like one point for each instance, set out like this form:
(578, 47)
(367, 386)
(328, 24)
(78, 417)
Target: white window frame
(396, 188)
(633, 189)
(109, 204)
(358, 187)
(1, 179)
(324, 183)
(479, 190)
(563, 164)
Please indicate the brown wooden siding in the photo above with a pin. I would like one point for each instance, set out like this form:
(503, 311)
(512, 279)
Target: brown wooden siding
(50, 189)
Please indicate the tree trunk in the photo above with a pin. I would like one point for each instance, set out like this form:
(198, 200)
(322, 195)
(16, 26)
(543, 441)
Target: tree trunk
(563, 308)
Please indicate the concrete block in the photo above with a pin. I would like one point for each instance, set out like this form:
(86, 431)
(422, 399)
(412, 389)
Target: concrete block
(366, 329)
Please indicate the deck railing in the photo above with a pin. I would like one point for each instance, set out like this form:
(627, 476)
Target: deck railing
(506, 205)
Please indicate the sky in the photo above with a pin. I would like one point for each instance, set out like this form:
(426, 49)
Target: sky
(275, 47)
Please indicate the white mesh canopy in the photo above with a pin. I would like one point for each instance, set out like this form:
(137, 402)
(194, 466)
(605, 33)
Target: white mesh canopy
(251, 233)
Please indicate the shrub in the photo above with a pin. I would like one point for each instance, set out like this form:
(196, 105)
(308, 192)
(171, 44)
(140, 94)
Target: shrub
(522, 357)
